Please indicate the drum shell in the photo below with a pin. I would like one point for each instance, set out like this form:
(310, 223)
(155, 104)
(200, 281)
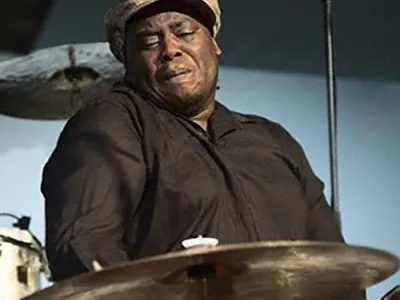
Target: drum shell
(16, 283)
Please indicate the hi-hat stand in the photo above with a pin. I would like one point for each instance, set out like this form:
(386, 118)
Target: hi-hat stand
(332, 111)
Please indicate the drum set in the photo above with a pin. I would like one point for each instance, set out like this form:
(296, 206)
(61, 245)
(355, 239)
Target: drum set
(279, 270)
(22, 260)
(282, 270)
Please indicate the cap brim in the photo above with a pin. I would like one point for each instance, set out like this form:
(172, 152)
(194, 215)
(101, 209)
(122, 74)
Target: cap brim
(202, 8)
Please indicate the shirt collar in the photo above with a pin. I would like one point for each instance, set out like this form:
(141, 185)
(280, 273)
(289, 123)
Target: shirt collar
(223, 121)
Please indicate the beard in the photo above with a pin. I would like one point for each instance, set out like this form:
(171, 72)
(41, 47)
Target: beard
(187, 104)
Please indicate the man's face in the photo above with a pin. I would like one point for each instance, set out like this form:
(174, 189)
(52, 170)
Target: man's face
(171, 56)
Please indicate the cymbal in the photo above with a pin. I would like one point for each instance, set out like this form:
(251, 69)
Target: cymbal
(265, 270)
(52, 83)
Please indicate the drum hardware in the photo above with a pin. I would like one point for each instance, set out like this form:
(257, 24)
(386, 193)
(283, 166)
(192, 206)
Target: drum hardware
(22, 260)
(23, 223)
(199, 241)
(393, 294)
(278, 270)
(332, 106)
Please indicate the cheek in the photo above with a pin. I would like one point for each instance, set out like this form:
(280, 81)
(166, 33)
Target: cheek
(148, 64)
(211, 66)
(144, 69)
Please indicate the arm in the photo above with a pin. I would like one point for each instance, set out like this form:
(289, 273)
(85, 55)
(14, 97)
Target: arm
(88, 184)
(322, 224)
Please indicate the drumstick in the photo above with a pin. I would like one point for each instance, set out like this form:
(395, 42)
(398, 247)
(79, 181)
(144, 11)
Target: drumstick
(96, 266)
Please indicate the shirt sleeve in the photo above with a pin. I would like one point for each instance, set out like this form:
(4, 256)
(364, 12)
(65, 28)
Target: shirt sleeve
(92, 182)
(321, 224)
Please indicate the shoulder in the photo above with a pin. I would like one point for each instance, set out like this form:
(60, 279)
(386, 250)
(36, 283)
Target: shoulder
(110, 114)
(119, 104)
(273, 128)
(111, 104)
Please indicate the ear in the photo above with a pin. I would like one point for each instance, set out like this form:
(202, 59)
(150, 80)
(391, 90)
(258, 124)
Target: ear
(217, 48)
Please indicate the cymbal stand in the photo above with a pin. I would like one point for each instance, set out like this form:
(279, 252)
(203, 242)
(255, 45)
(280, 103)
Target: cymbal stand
(332, 111)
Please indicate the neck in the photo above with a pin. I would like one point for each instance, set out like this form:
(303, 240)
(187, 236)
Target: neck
(202, 118)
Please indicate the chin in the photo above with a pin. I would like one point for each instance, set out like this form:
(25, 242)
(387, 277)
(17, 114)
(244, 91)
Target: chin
(183, 93)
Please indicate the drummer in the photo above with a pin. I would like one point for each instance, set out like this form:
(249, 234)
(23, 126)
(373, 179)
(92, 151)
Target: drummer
(157, 159)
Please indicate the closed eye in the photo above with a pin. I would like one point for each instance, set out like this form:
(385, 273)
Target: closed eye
(150, 43)
(183, 34)
(147, 40)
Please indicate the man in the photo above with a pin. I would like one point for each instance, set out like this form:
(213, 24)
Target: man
(158, 160)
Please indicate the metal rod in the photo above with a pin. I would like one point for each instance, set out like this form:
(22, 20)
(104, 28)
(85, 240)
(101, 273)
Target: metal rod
(332, 111)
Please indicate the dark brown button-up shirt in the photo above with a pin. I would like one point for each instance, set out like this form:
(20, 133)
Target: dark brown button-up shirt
(130, 179)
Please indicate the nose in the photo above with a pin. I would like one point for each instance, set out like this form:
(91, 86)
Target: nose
(170, 49)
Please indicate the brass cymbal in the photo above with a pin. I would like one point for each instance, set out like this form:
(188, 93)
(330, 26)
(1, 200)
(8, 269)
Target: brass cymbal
(52, 83)
(266, 270)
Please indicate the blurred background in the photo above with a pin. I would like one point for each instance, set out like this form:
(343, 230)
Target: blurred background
(273, 65)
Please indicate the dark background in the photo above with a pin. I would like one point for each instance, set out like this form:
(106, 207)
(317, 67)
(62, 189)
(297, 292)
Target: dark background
(279, 35)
